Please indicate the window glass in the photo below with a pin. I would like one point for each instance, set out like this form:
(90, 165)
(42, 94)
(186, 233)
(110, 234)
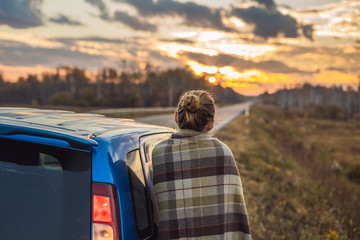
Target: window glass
(138, 194)
(148, 144)
(44, 192)
(149, 147)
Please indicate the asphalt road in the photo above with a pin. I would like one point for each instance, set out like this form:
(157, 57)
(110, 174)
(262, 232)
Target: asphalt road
(223, 116)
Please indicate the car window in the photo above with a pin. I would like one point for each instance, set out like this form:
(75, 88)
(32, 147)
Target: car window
(44, 191)
(139, 194)
(148, 144)
(148, 149)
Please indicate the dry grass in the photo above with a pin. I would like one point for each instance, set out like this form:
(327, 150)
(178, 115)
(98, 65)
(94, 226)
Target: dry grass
(301, 176)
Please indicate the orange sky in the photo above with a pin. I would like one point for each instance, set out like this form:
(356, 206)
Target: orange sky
(249, 46)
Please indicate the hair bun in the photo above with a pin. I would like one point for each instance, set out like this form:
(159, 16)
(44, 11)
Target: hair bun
(191, 103)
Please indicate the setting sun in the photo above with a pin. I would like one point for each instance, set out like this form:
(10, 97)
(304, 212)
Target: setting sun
(212, 79)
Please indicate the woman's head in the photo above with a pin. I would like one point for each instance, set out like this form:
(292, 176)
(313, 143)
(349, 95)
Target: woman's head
(196, 111)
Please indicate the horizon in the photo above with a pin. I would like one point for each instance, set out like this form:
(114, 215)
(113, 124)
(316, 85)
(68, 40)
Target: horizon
(250, 46)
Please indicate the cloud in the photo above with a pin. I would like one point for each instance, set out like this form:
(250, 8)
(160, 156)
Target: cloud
(344, 69)
(99, 4)
(133, 22)
(21, 13)
(269, 22)
(269, 4)
(193, 14)
(20, 54)
(240, 64)
(92, 39)
(108, 52)
(179, 40)
(308, 30)
(62, 19)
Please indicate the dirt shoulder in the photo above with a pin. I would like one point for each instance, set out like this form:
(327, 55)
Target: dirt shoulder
(300, 175)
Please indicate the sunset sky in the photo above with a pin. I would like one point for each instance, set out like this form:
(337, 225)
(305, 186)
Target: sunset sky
(251, 46)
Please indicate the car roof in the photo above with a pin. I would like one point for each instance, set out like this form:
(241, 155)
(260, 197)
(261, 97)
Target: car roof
(75, 128)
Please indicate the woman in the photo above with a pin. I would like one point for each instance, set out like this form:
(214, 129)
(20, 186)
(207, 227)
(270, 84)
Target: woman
(196, 181)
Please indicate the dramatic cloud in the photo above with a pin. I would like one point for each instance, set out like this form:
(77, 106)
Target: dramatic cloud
(62, 19)
(269, 22)
(90, 53)
(194, 15)
(19, 54)
(269, 4)
(104, 14)
(240, 64)
(20, 13)
(133, 22)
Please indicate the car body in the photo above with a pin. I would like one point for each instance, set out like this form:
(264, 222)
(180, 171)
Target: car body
(66, 175)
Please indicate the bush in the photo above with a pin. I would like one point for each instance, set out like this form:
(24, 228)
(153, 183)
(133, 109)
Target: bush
(328, 112)
(61, 98)
(354, 174)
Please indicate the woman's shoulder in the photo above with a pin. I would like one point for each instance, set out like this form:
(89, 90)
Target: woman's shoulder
(161, 146)
(219, 144)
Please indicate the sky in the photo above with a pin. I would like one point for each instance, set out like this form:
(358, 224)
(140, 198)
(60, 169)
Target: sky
(252, 46)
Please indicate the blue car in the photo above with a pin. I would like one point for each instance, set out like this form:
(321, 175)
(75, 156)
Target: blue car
(66, 175)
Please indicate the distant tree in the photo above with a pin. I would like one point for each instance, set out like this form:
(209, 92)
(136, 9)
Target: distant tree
(61, 98)
(2, 81)
(72, 86)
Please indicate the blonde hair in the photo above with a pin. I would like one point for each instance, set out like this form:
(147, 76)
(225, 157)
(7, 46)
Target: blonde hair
(196, 109)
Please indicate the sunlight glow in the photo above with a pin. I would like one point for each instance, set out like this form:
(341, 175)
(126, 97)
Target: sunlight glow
(211, 36)
(245, 50)
(199, 68)
(12, 73)
(93, 51)
(172, 49)
(252, 75)
(230, 72)
(184, 34)
(248, 82)
(330, 78)
(212, 79)
(237, 22)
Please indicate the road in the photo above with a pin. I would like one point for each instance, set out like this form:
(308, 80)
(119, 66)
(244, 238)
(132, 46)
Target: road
(223, 116)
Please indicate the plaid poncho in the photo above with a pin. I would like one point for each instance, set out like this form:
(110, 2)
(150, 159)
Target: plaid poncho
(198, 189)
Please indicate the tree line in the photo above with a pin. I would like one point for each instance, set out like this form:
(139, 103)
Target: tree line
(332, 102)
(71, 86)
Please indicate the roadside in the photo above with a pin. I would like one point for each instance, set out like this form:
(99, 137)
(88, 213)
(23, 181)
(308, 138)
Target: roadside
(299, 174)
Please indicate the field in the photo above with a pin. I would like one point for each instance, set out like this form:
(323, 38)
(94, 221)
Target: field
(301, 175)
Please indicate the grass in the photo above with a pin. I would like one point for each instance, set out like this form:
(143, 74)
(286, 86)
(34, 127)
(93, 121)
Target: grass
(301, 176)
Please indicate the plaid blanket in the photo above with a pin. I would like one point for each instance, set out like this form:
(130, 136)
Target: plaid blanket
(198, 189)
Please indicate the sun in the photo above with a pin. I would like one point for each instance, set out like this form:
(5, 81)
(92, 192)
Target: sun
(212, 79)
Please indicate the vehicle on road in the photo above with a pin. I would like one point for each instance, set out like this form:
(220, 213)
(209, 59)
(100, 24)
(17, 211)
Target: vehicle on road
(66, 175)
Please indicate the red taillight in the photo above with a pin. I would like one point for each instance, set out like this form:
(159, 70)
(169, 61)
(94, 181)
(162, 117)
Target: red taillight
(106, 220)
(101, 209)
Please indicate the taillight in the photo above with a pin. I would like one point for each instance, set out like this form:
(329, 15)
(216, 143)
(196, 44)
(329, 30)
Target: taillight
(106, 220)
